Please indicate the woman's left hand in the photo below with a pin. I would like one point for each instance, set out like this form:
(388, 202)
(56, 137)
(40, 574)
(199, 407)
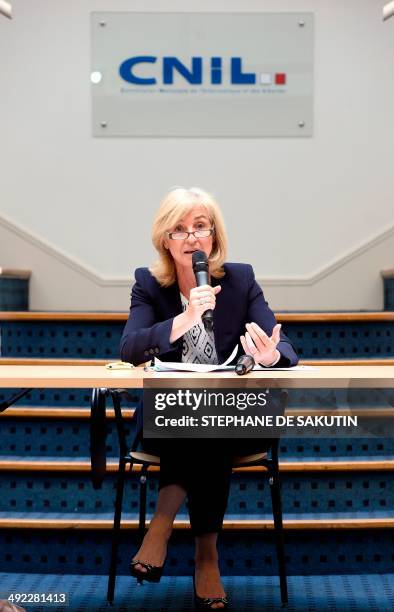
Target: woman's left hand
(258, 344)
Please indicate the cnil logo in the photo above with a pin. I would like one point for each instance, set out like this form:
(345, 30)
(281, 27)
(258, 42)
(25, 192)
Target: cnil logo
(192, 74)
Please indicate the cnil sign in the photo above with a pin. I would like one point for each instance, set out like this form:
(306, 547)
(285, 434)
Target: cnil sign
(193, 74)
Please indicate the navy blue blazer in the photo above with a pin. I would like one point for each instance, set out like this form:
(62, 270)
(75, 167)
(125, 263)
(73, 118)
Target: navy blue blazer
(153, 308)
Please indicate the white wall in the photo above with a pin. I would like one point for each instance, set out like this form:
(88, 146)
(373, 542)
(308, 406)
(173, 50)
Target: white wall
(304, 212)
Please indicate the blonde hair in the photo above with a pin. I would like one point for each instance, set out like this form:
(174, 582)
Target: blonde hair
(176, 204)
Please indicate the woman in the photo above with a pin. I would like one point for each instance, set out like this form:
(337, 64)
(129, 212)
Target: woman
(165, 320)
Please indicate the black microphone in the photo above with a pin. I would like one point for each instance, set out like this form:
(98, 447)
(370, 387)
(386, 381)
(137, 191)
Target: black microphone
(244, 365)
(201, 272)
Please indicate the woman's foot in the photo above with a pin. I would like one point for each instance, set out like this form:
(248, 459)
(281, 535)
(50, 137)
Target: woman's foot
(153, 550)
(208, 583)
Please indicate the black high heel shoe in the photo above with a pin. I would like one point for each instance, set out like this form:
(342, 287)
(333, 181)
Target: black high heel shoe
(206, 603)
(153, 572)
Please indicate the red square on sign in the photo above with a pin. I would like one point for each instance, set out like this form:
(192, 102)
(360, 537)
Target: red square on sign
(280, 78)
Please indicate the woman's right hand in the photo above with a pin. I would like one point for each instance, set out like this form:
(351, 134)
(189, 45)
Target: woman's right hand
(201, 299)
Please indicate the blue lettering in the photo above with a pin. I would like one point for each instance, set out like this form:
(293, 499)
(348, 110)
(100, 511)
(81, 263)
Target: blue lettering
(126, 70)
(216, 70)
(193, 76)
(237, 76)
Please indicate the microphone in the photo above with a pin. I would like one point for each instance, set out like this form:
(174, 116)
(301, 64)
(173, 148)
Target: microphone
(244, 365)
(201, 272)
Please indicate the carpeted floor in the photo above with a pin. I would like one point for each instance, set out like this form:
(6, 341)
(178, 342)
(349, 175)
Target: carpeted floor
(371, 592)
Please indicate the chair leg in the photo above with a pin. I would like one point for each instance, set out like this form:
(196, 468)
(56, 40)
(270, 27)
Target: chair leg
(142, 512)
(278, 524)
(116, 531)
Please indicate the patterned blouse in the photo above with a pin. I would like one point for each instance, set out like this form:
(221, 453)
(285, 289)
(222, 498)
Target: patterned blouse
(198, 344)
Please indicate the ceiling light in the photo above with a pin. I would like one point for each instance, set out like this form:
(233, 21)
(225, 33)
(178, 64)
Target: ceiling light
(5, 9)
(388, 11)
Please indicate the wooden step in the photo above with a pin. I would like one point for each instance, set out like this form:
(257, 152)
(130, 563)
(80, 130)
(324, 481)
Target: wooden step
(13, 315)
(50, 361)
(334, 317)
(78, 466)
(282, 317)
(47, 412)
(228, 525)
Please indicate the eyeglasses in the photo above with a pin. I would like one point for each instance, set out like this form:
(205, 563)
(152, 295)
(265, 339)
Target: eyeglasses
(201, 233)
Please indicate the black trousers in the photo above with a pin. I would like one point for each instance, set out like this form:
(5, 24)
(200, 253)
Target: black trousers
(203, 468)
